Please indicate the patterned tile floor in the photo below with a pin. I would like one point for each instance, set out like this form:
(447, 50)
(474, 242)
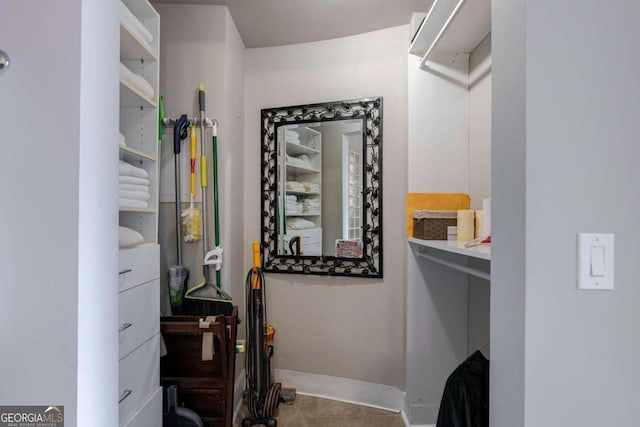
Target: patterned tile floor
(309, 411)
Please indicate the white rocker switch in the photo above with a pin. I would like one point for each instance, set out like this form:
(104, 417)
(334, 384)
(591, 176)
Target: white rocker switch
(595, 261)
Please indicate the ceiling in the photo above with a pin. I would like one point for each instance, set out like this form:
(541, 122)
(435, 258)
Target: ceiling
(263, 23)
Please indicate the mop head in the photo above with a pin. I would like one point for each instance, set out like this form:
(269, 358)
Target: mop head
(191, 224)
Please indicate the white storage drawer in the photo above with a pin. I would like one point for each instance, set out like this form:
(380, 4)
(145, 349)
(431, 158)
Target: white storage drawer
(139, 265)
(139, 377)
(150, 415)
(139, 315)
(312, 249)
(308, 235)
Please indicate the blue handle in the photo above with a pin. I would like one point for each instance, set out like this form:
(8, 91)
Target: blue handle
(179, 132)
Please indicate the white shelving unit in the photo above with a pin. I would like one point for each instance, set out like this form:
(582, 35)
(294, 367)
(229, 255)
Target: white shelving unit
(448, 285)
(482, 252)
(452, 26)
(140, 400)
(309, 144)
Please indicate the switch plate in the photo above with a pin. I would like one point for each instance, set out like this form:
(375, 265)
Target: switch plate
(595, 261)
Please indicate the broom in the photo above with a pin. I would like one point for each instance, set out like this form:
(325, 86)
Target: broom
(191, 218)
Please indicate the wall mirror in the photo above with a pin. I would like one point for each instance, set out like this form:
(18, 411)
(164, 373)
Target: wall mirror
(322, 188)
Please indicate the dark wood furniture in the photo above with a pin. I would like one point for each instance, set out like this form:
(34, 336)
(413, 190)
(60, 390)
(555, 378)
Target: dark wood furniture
(205, 387)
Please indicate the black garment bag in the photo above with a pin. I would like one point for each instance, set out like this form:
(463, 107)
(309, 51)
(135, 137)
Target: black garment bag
(465, 401)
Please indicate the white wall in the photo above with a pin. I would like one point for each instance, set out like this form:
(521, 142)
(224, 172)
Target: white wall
(98, 218)
(344, 327)
(58, 251)
(200, 44)
(480, 123)
(439, 125)
(449, 151)
(507, 384)
(582, 154)
(565, 108)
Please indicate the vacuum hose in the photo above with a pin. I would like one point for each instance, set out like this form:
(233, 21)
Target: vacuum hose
(257, 373)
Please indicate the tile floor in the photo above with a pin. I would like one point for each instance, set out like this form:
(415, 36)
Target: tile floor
(309, 411)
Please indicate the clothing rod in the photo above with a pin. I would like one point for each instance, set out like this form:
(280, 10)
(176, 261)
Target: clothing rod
(169, 122)
(473, 271)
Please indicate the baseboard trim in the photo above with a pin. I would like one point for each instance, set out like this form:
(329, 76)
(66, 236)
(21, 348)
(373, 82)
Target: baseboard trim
(238, 390)
(380, 396)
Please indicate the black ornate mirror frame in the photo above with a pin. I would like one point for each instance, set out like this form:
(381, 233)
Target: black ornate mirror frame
(370, 111)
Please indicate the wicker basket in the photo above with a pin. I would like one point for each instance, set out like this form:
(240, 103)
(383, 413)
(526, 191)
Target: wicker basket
(432, 225)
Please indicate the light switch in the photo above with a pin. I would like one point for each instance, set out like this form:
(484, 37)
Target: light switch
(595, 261)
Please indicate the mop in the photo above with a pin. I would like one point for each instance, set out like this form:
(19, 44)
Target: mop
(205, 298)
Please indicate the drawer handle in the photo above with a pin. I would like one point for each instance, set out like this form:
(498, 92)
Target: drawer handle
(128, 270)
(125, 327)
(125, 394)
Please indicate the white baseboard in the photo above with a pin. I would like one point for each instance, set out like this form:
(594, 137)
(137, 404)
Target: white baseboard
(344, 389)
(238, 389)
(335, 388)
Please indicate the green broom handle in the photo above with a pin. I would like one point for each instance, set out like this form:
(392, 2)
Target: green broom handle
(215, 197)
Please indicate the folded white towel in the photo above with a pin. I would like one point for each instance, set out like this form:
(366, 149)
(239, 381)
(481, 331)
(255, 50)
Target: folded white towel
(299, 223)
(127, 169)
(136, 81)
(123, 141)
(134, 195)
(128, 238)
(292, 197)
(138, 27)
(125, 179)
(133, 187)
(128, 203)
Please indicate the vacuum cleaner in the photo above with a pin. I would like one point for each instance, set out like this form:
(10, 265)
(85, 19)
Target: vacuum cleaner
(262, 394)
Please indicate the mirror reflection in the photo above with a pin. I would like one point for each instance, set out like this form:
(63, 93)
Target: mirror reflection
(320, 203)
(322, 188)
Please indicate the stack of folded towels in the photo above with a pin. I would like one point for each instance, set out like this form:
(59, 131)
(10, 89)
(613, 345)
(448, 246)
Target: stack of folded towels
(311, 205)
(311, 187)
(300, 161)
(136, 81)
(134, 186)
(291, 136)
(292, 205)
(295, 186)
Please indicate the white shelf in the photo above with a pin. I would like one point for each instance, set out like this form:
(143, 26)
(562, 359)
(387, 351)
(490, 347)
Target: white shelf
(300, 169)
(304, 214)
(294, 149)
(141, 8)
(130, 154)
(303, 193)
(454, 26)
(138, 210)
(131, 97)
(132, 47)
(482, 252)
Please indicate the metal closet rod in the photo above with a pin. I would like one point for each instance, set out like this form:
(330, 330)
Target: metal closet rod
(469, 270)
(168, 122)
